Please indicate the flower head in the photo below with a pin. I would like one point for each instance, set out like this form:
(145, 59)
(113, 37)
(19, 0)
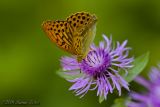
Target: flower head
(99, 69)
(152, 97)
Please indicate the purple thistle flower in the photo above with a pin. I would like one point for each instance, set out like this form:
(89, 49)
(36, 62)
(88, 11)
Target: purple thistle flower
(100, 69)
(151, 98)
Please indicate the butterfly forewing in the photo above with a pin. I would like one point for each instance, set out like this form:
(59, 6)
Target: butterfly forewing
(59, 33)
(80, 22)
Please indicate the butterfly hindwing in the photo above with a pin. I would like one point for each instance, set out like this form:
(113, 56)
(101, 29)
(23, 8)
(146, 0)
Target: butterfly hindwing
(83, 24)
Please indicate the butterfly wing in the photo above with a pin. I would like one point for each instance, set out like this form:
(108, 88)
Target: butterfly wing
(60, 34)
(84, 27)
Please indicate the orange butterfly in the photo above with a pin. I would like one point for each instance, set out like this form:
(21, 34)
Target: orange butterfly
(73, 35)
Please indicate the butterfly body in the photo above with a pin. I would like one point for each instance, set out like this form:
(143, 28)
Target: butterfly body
(73, 35)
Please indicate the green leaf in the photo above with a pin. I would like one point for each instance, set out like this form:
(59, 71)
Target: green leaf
(101, 99)
(66, 76)
(120, 102)
(139, 64)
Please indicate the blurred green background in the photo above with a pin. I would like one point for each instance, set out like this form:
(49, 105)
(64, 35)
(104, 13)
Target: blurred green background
(28, 59)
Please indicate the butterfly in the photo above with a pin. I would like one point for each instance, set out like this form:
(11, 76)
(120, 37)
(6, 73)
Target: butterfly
(74, 35)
